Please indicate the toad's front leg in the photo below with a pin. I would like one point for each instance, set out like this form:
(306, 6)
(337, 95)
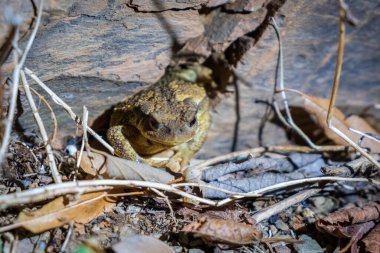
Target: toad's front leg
(122, 146)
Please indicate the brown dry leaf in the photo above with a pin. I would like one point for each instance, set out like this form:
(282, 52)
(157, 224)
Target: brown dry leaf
(351, 223)
(224, 231)
(60, 211)
(318, 108)
(141, 244)
(350, 216)
(116, 167)
(372, 240)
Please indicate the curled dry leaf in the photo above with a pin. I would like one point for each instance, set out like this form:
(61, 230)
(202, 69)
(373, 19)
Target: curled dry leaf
(224, 231)
(141, 244)
(61, 211)
(351, 223)
(318, 108)
(372, 240)
(116, 167)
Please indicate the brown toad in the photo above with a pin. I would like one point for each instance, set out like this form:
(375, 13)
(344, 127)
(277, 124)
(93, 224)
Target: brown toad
(172, 114)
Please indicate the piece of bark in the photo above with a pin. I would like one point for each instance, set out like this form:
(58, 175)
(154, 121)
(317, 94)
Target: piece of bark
(156, 6)
(349, 169)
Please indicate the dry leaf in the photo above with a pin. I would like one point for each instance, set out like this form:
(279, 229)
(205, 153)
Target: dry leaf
(224, 231)
(141, 244)
(60, 211)
(116, 167)
(372, 240)
(318, 108)
(351, 223)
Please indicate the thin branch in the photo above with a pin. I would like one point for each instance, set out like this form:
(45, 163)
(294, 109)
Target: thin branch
(15, 78)
(343, 16)
(53, 117)
(284, 204)
(38, 194)
(40, 124)
(166, 199)
(68, 109)
(289, 118)
(366, 135)
(293, 183)
(50, 191)
(260, 150)
(13, 101)
(67, 239)
(84, 124)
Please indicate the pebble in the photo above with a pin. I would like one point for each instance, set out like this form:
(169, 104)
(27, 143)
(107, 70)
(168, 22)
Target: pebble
(195, 250)
(309, 246)
(273, 229)
(281, 225)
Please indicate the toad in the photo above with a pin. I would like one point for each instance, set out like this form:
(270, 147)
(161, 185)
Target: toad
(172, 114)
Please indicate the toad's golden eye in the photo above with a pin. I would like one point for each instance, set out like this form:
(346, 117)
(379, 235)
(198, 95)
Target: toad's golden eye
(193, 121)
(153, 123)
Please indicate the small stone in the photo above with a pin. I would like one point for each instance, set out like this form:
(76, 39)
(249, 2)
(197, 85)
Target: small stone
(281, 225)
(273, 229)
(282, 249)
(308, 213)
(308, 246)
(195, 250)
(95, 229)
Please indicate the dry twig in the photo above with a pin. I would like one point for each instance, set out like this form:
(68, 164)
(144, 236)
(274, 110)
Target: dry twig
(50, 191)
(289, 119)
(343, 18)
(67, 108)
(16, 77)
(37, 117)
(284, 204)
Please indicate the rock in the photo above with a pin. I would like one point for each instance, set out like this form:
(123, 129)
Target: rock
(309, 245)
(195, 250)
(282, 249)
(273, 229)
(281, 225)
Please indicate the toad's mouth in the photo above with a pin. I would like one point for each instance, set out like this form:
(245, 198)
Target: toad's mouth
(169, 139)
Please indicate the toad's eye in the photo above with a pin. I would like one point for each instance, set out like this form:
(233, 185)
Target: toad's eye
(153, 123)
(193, 122)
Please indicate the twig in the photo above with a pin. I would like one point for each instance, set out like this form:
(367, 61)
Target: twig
(159, 193)
(254, 151)
(67, 239)
(40, 124)
(15, 199)
(38, 194)
(292, 183)
(284, 204)
(366, 135)
(67, 108)
(289, 118)
(49, 191)
(84, 125)
(15, 78)
(13, 100)
(343, 16)
(238, 116)
(53, 117)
